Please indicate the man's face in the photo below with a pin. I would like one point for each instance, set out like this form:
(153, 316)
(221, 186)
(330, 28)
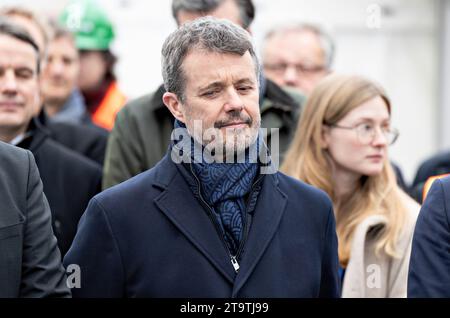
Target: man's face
(60, 74)
(228, 9)
(93, 68)
(295, 59)
(19, 90)
(221, 93)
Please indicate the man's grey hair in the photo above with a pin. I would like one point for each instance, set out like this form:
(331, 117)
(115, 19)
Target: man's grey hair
(325, 39)
(208, 34)
(203, 7)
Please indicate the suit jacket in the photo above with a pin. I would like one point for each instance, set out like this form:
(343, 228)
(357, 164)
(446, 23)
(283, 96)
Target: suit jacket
(70, 181)
(30, 262)
(429, 269)
(150, 237)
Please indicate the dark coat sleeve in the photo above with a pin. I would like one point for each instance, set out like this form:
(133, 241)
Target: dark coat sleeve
(429, 269)
(330, 282)
(96, 252)
(42, 272)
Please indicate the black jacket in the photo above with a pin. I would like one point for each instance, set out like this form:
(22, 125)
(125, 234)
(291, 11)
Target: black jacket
(87, 140)
(70, 181)
(30, 263)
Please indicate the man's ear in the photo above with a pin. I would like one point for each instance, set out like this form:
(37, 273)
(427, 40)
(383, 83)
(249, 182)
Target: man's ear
(174, 105)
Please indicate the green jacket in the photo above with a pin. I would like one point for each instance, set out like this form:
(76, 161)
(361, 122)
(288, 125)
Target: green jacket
(141, 133)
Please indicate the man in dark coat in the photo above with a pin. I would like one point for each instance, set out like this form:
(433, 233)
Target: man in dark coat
(141, 133)
(429, 268)
(70, 180)
(30, 262)
(209, 226)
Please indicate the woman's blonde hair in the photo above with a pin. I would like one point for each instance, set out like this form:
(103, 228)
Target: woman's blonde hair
(309, 161)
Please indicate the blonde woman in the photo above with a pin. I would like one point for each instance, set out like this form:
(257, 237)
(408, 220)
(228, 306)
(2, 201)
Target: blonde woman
(341, 146)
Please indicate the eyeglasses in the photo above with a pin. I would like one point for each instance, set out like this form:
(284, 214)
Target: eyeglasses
(366, 132)
(280, 68)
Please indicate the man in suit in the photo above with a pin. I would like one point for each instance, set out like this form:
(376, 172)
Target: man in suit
(141, 134)
(30, 262)
(70, 180)
(200, 223)
(429, 268)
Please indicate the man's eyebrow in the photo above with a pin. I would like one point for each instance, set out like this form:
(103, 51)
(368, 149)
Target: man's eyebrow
(212, 85)
(20, 68)
(244, 81)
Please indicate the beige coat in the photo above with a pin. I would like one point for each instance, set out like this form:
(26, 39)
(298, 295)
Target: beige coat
(369, 276)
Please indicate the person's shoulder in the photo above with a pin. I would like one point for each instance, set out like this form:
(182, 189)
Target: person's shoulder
(137, 188)
(445, 184)
(60, 154)
(14, 162)
(11, 154)
(439, 195)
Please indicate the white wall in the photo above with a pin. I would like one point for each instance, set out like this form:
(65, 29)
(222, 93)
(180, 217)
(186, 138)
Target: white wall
(399, 50)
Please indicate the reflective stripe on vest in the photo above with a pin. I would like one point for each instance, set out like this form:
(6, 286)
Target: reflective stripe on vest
(429, 182)
(112, 102)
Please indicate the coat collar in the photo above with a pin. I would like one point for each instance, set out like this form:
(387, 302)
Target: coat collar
(36, 135)
(196, 225)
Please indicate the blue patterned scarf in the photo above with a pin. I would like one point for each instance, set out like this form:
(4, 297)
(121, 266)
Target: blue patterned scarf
(225, 187)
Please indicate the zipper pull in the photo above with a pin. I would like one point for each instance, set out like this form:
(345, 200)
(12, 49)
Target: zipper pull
(235, 264)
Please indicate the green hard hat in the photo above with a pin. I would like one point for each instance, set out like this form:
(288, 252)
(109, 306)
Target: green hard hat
(88, 21)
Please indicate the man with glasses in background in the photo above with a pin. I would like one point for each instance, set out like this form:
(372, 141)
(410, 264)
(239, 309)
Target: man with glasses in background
(297, 56)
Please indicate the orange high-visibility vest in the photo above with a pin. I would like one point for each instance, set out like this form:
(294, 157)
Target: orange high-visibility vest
(429, 182)
(112, 102)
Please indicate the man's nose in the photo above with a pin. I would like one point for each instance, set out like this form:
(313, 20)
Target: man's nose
(8, 82)
(290, 76)
(234, 101)
(56, 67)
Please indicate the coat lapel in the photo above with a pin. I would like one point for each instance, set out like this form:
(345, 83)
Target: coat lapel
(181, 207)
(267, 216)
